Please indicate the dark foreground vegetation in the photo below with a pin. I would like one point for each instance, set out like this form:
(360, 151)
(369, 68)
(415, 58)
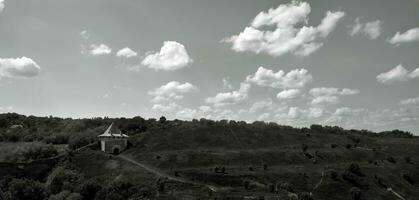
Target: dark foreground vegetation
(203, 159)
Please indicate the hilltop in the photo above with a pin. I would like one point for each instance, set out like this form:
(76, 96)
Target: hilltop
(206, 159)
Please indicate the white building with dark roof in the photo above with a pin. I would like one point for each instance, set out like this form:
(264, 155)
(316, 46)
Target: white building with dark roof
(113, 140)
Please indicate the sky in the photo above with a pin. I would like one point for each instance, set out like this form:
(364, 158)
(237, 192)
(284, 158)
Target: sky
(353, 64)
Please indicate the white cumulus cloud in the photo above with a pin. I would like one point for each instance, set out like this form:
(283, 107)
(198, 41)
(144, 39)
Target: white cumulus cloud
(290, 33)
(410, 35)
(18, 67)
(261, 105)
(288, 94)
(330, 95)
(410, 101)
(229, 98)
(296, 78)
(371, 29)
(126, 53)
(102, 49)
(172, 56)
(172, 91)
(1, 5)
(398, 73)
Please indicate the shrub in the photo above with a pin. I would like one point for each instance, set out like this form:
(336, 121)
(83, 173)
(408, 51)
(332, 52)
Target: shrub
(286, 187)
(65, 180)
(305, 196)
(407, 176)
(60, 138)
(408, 160)
(23, 189)
(308, 155)
(304, 147)
(378, 181)
(162, 119)
(66, 195)
(355, 193)
(354, 168)
(334, 175)
(265, 166)
(391, 159)
(89, 189)
(119, 190)
(78, 140)
(348, 176)
(32, 152)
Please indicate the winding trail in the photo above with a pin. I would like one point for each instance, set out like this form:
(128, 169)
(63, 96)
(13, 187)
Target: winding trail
(165, 175)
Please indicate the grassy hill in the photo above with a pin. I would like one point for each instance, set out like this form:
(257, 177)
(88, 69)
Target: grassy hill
(205, 159)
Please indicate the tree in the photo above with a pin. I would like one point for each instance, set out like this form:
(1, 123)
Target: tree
(65, 180)
(162, 119)
(23, 189)
(89, 189)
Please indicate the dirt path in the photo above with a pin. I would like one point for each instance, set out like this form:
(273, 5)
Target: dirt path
(395, 193)
(165, 175)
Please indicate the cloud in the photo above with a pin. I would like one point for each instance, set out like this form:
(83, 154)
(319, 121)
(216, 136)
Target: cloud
(288, 34)
(226, 84)
(84, 34)
(288, 94)
(229, 98)
(331, 91)
(1, 5)
(398, 73)
(171, 91)
(296, 78)
(371, 29)
(97, 50)
(330, 95)
(261, 105)
(303, 114)
(325, 100)
(172, 56)
(410, 35)
(18, 68)
(126, 53)
(166, 107)
(7, 108)
(410, 101)
(345, 116)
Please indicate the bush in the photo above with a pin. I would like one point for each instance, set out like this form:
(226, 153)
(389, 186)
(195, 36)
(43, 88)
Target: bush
(65, 180)
(119, 190)
(162, 119)
(66, 195)
(304, 147)
(32, 152)
(354, 168)
(407, 176)
(334, 175)
(89, 189)
(355, 193)
(24, 189)
(391, 159)
(305, 196)
(81, 139)
(60, 138)
(348, 176)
